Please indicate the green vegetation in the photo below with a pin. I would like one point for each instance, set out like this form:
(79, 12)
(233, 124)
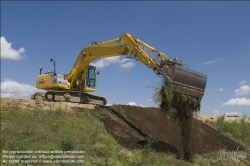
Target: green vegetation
(181, 104)
(61, 130)
(172, 101)
(238, 130)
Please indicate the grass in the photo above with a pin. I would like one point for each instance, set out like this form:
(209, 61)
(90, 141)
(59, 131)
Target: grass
(168, 100)
(238, 130)
(183, 106)
(37, 129)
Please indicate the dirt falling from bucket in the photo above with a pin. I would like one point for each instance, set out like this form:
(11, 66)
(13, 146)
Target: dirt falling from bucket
(183, 106)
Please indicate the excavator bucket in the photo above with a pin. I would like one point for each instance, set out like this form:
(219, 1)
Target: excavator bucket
(183, 80)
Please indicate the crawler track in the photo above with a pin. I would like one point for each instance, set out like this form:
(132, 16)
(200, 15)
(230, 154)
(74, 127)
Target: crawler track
(69, 96)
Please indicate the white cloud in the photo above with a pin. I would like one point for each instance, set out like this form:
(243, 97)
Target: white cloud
(213, 61)
(244, 90)
(127, 65)
(131, 103)
(7, 52)
(134, 104)
(99, 64)
(208, 62)
(242, 82)
(233, 114)
(221, 59)
(14, 89)
(104, 62)
(237, 102)
(125, 60)
(221, 113)
(221, 89)
(216, 111)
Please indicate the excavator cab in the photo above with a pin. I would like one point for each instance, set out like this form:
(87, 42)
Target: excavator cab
(181, 79)
(90, 79)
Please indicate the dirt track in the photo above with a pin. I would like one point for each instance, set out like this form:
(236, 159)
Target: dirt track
(31, 104)
(130, 125)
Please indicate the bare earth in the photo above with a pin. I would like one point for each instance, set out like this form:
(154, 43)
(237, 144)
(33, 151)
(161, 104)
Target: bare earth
(31, 104)
(131, 125)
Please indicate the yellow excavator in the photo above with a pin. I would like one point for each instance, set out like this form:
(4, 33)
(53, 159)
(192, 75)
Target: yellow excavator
(73, 87)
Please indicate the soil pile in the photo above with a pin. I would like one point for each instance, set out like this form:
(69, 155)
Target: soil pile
(131, 125)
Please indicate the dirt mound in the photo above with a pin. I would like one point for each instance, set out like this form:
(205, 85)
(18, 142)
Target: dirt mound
(31, 104)
(131, 125)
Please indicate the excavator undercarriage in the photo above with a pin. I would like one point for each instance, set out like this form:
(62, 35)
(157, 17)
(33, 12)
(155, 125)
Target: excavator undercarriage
(69, 96)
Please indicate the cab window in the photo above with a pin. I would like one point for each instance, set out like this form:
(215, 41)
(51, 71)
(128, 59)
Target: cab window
(91, 77)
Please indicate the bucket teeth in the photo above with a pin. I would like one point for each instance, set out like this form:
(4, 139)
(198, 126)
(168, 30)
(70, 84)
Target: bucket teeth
(187, 91)
(183, 80)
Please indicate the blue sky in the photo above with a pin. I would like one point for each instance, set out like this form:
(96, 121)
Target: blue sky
(211, 37)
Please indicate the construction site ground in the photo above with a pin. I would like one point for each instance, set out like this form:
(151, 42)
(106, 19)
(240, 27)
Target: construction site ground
(134, 126)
